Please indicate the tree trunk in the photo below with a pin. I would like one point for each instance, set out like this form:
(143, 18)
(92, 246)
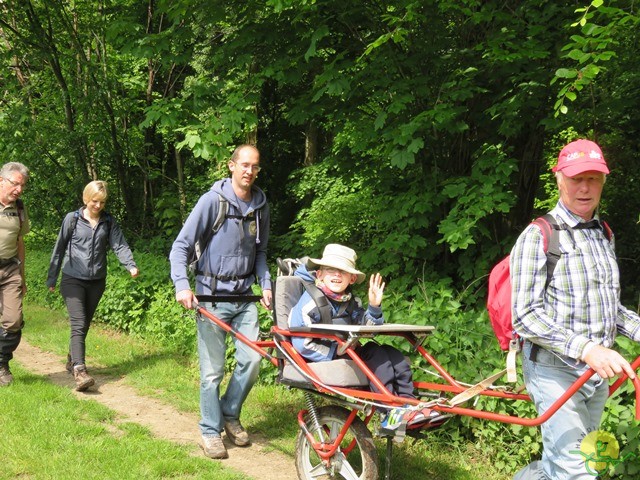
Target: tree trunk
(310, 144)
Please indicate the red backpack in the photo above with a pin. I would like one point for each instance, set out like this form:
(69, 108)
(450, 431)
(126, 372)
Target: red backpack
(499, 298)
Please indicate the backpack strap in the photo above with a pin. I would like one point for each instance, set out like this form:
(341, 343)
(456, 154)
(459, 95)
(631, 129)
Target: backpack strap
(551, 241)
(201, 244)
(551, 244)
(72, 228)
(20, 208)
(223, 210)
(607, 230)
(18, 213)
(321, 301)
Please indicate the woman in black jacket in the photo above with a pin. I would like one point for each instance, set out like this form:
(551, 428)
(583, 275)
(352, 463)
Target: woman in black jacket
(81, 250)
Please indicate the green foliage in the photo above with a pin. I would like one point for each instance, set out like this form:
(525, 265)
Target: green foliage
(592, 50)
(477, 196)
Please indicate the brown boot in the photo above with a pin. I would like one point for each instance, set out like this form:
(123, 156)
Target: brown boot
(236, 433)
(5, 375)
(214, 448)
(83, 379)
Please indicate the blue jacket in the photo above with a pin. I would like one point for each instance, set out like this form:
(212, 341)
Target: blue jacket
(306, 313)
(235, 255)
(81, 251)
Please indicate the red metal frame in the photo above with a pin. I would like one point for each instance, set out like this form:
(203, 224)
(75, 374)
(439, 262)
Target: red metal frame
(327, 450)
(384, 396)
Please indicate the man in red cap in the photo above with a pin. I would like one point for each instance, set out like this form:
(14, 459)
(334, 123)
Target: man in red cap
(569, 322)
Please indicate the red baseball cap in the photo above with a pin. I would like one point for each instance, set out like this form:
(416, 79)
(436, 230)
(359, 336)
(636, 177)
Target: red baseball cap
(580, 156)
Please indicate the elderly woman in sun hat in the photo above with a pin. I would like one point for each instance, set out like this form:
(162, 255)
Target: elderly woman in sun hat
(334, 275)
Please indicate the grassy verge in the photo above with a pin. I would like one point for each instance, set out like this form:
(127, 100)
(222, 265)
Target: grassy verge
(173, 378)
(50, 434)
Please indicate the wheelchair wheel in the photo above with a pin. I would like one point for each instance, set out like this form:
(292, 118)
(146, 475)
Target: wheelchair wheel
(356, 459)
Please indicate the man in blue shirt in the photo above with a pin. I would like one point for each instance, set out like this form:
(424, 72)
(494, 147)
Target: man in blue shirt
(231, 262)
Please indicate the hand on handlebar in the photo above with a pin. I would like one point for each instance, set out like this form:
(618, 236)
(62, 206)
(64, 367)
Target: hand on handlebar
(267, 299)
(187, 299)
(608, 363)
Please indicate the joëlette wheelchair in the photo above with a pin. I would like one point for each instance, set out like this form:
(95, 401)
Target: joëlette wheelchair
(335, 441)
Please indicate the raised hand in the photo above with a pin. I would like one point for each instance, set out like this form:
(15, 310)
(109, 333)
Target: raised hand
(376, 289)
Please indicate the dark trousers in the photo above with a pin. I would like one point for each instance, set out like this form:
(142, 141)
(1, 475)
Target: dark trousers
(9, 341)
(82, 298)
(390, 366)
(11, 321)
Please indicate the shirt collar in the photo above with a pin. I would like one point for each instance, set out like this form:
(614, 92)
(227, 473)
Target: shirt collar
(569, 218)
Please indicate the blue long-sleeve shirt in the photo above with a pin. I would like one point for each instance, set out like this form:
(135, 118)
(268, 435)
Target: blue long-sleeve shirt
(237, 252)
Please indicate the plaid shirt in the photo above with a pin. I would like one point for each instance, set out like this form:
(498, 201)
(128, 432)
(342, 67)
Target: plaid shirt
(582, 301)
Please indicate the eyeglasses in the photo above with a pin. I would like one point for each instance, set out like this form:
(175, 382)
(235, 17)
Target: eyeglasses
(15, 184)
(334, 271)
(249, 167)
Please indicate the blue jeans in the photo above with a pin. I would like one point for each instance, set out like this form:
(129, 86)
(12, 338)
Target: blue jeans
(547, 378)
(214, 409)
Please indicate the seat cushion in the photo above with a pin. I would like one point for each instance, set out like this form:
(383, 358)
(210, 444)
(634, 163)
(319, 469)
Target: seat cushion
(338, 373)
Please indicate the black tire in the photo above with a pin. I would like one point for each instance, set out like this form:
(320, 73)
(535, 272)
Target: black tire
(361, 463)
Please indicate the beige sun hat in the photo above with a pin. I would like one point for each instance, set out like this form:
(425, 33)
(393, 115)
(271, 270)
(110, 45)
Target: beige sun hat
(340, 257)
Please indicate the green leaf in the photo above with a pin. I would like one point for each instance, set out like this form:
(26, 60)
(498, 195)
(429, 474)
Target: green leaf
(566, 73)
(318, 35)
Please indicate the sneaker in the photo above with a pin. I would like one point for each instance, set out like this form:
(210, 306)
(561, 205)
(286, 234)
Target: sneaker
(425, 417)
(236, 433)
(213, 447)
(5, 375)
(393, 418)
(69, 365)
(83, 379)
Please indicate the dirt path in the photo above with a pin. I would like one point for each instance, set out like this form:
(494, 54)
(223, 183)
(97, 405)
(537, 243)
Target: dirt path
(162, 420)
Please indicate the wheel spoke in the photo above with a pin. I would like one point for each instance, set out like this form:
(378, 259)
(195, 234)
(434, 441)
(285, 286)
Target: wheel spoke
(334, 430)
(318, 471)
(346, 470)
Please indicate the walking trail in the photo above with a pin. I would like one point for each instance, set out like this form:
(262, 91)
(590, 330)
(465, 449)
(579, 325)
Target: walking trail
(164, 421)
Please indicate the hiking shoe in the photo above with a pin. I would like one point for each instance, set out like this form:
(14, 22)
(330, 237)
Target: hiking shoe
(213, 447)
(83, 379)
(5, 375)
(236, 433)
(69, 365)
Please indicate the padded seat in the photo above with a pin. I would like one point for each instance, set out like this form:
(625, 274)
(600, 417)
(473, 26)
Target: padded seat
(337, 373)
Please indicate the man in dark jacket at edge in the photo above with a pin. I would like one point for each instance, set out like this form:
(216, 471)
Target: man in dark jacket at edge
(230, 263)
